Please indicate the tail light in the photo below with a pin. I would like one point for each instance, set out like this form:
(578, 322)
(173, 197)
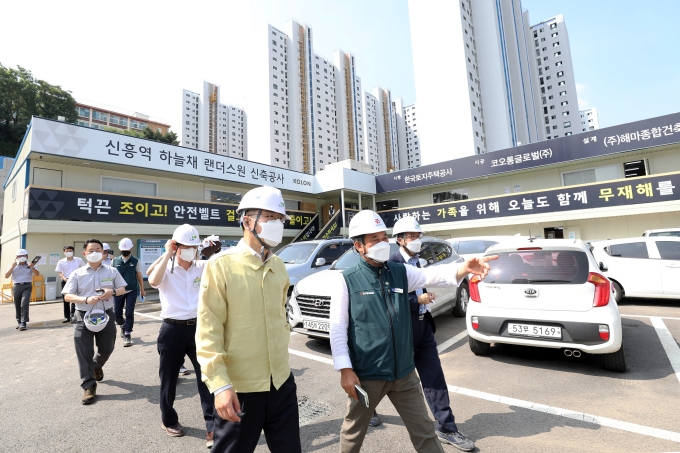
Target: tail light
(474, 289)
(604, 332)
(475, 322)
(602, 289)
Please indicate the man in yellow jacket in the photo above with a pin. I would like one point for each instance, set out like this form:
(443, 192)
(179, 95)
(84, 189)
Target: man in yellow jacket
(242, 335)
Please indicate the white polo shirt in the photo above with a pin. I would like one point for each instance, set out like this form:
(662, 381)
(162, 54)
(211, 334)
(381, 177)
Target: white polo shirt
(178, 290)
(67, 267)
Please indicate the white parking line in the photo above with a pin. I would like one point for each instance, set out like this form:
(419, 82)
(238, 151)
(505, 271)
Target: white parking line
(148, 316)
(580, 416)
(307, 355)
(450, 342)
(644, 316)
(668, 343)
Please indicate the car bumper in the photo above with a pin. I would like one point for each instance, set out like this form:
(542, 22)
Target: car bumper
(296, 322)
(579, 329)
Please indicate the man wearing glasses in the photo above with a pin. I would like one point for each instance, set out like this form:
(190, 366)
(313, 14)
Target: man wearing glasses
(242, 336)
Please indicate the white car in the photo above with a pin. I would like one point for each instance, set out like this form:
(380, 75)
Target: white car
(309, 305)
(641, 266)
(546, 293)
(663, 232)
(475, 246)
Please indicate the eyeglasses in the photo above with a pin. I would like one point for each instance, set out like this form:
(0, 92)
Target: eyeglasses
(268, 217)
(413, 236)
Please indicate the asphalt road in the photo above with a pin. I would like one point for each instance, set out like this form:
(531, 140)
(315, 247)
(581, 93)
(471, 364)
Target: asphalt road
(516, 399)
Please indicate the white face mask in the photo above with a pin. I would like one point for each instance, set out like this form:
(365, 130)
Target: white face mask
(414, 246)
(380, 252)
(272, 232)
(22, 259)
(94, 257)
(68, 254)
(188, 254)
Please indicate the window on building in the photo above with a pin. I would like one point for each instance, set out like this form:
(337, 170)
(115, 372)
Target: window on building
(553, 35)
(99, 116)
(553, 26)
(219, 196)
(451, 195)
(129, 186)
(82, 111)
(563, 93)
(567, 124)
(563, 103)
(597, 174)
(47, 177)
(555, 44)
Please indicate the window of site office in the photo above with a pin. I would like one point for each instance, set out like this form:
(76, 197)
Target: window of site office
(597, 174)
(46, 177)
(129, 186)
(386, 205)
(451, 195)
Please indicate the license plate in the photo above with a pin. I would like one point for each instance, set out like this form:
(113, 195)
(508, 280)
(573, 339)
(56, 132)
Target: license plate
(530, 330)
(315, 325)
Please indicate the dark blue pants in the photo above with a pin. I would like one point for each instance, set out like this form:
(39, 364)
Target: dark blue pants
(275, 412)
(174, 341)
(431, 374)
(128, 300)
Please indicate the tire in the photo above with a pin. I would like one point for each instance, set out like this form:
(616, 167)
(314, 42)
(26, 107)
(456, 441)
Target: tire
(479, 347)
(618, 291)
(462, 300)
(616, 361)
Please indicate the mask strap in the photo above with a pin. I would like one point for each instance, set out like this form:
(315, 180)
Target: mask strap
(252, 230)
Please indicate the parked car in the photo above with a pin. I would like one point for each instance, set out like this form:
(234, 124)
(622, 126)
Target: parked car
(475, 246)
(309, 305)
(641, 266)
(662, 232)
(309, 257)
(546, 293)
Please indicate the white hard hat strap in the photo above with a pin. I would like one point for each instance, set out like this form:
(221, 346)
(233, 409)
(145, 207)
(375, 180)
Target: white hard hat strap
(254, 232)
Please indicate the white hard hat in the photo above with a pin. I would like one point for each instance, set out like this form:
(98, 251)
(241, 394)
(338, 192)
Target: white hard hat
(105, 246)
(22, 252)
(264, 197)
(186, 235)
(95, 320)
(123, 244)
(406, 225)
(366, 222)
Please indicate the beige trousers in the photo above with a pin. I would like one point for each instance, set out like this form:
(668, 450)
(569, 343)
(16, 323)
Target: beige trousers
(407, 397)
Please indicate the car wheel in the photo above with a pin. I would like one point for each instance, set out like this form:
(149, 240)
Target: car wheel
(479, 347)
(618, 291)
(616, 361)
(462, 299)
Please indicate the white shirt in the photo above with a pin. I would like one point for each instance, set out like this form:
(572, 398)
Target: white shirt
(419, 291)
(436, 276)
(178, 290)
(85, 280)
(67, 267)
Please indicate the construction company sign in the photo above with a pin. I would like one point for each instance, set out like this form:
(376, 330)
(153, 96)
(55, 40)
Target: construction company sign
(79, 142)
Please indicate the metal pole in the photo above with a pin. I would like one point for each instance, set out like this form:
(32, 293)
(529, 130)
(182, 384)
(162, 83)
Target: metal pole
(359, 200)
(342, 205)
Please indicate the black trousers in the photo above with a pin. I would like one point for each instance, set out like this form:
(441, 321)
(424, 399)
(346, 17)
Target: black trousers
(68, 311)
(431, 374)
(174, 341)
(22, 299)
(84, 341)
(128, 300)
(275, 412)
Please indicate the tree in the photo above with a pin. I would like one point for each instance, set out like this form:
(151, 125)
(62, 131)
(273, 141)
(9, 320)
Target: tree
(148, 134)
(21, 97)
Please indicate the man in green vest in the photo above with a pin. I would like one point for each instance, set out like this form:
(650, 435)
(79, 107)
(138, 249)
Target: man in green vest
(131, 269)
(372, 335)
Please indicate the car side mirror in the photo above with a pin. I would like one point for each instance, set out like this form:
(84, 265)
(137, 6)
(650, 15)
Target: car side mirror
(320, 262)
(603, 267)
(422, 262)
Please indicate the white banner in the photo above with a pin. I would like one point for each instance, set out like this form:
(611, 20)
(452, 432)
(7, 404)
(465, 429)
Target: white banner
(68, 140)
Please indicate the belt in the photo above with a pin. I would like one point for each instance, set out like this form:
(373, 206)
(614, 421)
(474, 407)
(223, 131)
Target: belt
(183, 322)
(23, 283)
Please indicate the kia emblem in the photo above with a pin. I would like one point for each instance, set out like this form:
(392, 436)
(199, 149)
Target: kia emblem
(530, 292)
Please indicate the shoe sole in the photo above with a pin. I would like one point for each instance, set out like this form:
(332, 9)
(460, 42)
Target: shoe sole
(446, 441)
(87, 402)
(22, 328)
(169, 434)
(209, 444)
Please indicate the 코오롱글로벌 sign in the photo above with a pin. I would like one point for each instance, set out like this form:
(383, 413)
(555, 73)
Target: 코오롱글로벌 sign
(625, 192)
(648, 133)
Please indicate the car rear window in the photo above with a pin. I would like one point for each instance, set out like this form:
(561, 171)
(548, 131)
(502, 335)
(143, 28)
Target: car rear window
(469, 247)
(539, 267)
(630, 250)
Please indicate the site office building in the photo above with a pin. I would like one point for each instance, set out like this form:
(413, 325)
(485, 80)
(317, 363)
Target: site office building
(71, 183)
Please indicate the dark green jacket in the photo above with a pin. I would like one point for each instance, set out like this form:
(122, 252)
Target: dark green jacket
(128, 270)
(380, 335)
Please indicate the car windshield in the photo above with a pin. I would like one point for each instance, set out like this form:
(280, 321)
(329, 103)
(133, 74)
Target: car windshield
(538, 266)
(296, 253)
(666, 233)
(350, 258)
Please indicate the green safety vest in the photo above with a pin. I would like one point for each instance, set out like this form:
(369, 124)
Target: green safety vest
(128, 270)
(380, 334)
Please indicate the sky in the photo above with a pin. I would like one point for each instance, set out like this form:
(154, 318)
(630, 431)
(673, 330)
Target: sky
(138, 56)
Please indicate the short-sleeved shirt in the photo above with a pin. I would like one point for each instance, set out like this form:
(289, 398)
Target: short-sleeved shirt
(67, 267)
(22, 274)
(179, 290)
(85, 280)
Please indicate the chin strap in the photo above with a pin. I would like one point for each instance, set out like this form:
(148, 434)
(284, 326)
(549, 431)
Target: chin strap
(264, 245)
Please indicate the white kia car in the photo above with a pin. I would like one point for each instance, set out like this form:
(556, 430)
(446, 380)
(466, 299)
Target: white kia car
(642, 266)
(475, 246)
(663, 232)
(546, 293)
